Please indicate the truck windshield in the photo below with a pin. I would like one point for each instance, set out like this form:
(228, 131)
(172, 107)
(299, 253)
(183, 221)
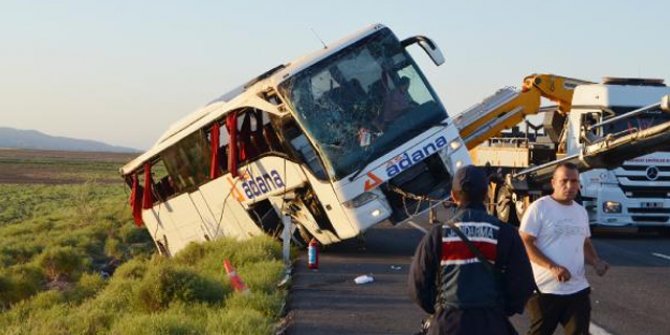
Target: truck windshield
(639, 122)
(362, 102)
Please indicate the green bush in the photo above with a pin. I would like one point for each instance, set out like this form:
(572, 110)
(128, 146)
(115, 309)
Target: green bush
(119, 296)
(33, 308)
(61, 262)
(16, 254)
(192, 254)
(20, 282)
(91, 320)
(268, 304)
(258, 249)
(53, 320)
(239, 253)
(6, 291)
(89, 285)
(46, 300)
(166, 283)
(115, 248)
(235, 321)
(263, 275)
(171, 322)
(60, 231)
(132, 269)
(131, 234)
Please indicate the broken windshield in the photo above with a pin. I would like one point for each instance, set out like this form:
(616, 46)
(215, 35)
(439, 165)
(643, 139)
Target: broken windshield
(362, 102)
(636, 123)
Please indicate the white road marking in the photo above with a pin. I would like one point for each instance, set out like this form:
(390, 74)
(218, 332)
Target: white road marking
(422, 229)
(661, 255)
(594, 329)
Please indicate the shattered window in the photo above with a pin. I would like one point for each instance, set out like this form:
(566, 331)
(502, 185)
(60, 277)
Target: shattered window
(639, 122)
(362, 102)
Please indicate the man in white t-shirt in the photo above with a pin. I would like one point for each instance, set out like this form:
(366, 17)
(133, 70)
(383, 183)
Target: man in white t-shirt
(555, 231)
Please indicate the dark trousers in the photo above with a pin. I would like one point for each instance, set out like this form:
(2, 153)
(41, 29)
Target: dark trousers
(472, 321)
(572, 311)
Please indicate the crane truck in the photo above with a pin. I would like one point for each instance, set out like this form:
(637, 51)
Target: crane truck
(615, 131)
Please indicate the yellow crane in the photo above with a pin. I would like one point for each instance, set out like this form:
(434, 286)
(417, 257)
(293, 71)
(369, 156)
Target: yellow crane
(508, 107)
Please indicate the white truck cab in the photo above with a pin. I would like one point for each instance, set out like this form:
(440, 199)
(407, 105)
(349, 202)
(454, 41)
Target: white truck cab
(638, 192)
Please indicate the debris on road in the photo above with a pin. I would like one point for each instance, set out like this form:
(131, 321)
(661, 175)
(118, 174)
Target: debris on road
(364, 279)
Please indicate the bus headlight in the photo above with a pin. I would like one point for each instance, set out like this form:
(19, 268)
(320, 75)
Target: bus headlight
(360, 200)
(611, 207)
(455, 144)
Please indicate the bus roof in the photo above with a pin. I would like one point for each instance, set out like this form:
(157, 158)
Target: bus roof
(246, 95)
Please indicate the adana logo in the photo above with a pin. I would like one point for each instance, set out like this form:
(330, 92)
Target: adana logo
(407, 159)
(652, 173)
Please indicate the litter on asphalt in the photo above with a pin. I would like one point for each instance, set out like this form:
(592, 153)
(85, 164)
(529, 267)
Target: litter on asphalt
(363, 279)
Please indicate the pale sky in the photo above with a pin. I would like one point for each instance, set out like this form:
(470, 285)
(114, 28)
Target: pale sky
(122, 71)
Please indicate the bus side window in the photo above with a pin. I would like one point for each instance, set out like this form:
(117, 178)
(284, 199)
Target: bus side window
(164, 187)
(223, 146)
(188, 162)
(247, 148)
(256, 135)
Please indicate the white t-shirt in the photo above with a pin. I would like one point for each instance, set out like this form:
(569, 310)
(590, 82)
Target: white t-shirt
(560, 231)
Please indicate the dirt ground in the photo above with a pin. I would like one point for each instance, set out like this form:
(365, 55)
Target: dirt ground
(60, 167)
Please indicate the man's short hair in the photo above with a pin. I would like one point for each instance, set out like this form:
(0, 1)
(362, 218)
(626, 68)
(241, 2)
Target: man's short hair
(567, 165)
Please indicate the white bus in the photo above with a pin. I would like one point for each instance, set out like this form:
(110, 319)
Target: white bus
(341, 140)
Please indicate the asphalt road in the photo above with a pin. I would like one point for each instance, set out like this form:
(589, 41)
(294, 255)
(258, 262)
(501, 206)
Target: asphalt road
(633, 298)
(328, 301)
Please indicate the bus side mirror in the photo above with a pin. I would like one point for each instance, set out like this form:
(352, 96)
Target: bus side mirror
(428, 46)
(665, 104)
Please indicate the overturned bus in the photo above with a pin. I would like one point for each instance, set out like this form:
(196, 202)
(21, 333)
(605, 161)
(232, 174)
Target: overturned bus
(336, 140)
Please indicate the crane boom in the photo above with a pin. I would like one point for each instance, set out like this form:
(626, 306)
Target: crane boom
(509, 106)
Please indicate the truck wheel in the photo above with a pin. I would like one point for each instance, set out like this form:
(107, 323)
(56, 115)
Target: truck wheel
(491, 198)
(503, 203)
(505, 206)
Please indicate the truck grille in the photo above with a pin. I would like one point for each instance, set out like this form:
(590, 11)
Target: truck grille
(659, 219)
(644, 168)
(649, 215)
(645, 191)
(426, 178)
(644, 178)
(649, 210)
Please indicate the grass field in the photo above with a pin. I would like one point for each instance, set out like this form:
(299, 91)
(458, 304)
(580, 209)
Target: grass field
(65, 224)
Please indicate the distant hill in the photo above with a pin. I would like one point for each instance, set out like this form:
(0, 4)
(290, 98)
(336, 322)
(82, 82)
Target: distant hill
(32, 139)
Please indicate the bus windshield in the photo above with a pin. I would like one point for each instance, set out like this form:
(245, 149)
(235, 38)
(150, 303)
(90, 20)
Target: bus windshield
(362, 102)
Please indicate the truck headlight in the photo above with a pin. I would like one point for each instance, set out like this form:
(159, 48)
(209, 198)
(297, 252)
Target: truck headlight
(360, 200)
(611, 207)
